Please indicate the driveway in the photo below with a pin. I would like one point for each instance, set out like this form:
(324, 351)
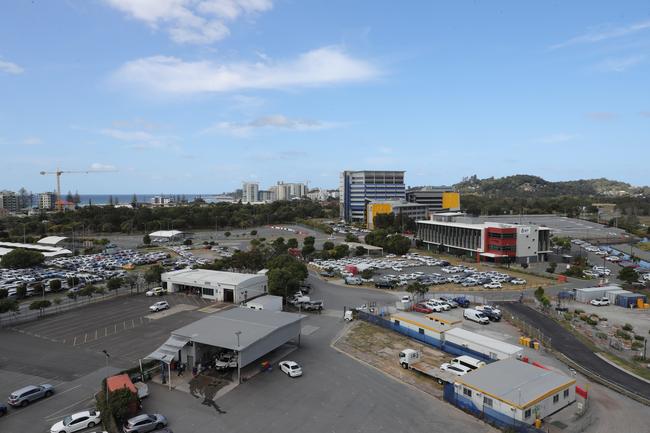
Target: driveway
(571, 347)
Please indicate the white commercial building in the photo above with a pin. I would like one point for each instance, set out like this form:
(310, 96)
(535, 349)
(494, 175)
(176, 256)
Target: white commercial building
(46, 200)
(47, 251)
(216, 285)
(514, 391)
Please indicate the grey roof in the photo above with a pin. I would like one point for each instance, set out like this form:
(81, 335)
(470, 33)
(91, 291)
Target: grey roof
(208, 277)
(516, 382)
(219, 329)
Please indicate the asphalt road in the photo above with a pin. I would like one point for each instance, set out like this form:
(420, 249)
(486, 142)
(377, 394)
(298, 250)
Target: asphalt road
(335, 394)
(570, 346)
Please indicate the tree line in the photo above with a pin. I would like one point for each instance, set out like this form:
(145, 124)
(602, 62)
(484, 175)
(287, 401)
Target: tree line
(110, 219)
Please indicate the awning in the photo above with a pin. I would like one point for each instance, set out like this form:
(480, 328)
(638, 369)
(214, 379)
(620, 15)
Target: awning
(168, 351)
(493, 255)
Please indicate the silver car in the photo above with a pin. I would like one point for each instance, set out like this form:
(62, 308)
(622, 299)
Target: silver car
(145, 423)
(28, 394)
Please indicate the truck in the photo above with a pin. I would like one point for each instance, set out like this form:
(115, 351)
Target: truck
(411, 359)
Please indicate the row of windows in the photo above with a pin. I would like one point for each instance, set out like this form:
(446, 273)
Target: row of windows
(502, 247)
(502, 235)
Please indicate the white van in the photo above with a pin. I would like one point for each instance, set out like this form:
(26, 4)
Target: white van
(475, 316)
(468, 361)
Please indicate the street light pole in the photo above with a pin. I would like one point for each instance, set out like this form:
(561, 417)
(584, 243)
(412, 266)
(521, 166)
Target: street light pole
(105, 352)
(238, 333)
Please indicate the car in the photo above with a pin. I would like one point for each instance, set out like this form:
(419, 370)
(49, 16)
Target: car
(422, 308)
(457, 369)
(383, 284)
(28, 394)
(291, 368)
(156, 291)
(3, 409)
(144, 423)
(452, 303)
(613, 259)
(434, 306)
(159, 306)
(518, 281)
(77, 421)
(600, 302)
(462, 301)
(492, 285)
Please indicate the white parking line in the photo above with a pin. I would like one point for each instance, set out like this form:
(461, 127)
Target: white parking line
(55, 414)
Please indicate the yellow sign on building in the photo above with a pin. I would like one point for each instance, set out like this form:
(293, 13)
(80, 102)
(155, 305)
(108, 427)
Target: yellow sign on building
(451, 200)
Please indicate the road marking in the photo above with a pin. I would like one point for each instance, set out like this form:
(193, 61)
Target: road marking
(55, 414)
(95, 334)
(116, 328)
(74, 343)
(132, 323)
(105, 332)
(85, 337)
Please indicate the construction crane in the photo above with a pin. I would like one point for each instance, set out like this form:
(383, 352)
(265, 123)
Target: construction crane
(58, 173)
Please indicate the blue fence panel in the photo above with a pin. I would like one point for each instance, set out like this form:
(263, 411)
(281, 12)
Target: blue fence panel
(458, 350)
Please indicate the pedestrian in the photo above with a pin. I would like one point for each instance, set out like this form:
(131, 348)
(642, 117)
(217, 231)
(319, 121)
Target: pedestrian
(181, 367)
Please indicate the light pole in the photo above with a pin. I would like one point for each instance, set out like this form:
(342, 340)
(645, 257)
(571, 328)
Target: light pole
(238, 333)
(105, 352)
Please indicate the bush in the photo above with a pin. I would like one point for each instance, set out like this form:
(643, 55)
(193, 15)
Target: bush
(551, 267)
(7, 305)
(624, 335)
(21, 258)
(146, 239)
(55, 285)
(636, 345)
(579, 311)
(639, 337)
(591, 321)
(627, 327)
(187, 242)
(4, 293)
(568, 316)
(601, 335)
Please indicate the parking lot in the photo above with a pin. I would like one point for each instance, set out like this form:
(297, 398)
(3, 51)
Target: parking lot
(66, 351)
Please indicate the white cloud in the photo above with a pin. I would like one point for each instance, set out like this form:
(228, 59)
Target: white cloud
(102, 167)
(190, 21)
(557, 138)
(276, 121)
(10, 68)
(32, 141)
(322, 66)
(603, 33)
(137, 139)
(621, 64)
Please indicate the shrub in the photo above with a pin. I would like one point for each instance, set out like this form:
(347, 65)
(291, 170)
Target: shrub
(579, 311)
(591, 321)
(627, 327)
(601, 335)
(568, 316)
(636, 345)
(624, 335)
(639, 337)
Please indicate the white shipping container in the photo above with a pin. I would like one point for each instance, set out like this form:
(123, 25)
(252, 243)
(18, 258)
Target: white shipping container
(588, 294)
(490, 347)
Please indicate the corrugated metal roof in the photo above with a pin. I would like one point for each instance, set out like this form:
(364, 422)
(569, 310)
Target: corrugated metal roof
(499, 345)
(515, 382)
(209, 278)
(166, 233)
(219, 329)
(51, 240)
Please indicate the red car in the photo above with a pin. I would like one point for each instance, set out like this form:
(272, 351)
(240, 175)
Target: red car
(420, 308)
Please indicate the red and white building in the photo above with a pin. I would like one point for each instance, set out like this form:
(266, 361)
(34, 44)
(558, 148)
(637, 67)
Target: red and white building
(486, 241)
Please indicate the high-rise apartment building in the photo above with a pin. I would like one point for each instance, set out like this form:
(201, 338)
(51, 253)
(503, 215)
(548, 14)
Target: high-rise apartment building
(46, 200)
(358, 187)
(10, 201)
(250, 192)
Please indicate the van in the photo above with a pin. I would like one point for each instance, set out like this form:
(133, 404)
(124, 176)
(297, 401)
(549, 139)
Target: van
(353, 281)
(468, 361)
(475, 316)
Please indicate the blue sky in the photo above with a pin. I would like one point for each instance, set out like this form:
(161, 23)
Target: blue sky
(196, 96)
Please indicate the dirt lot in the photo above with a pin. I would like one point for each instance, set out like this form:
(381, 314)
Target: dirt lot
(380, 348)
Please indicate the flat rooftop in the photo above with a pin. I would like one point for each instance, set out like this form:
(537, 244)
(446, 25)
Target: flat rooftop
(515, 382)
(208, 277)
(219, 329)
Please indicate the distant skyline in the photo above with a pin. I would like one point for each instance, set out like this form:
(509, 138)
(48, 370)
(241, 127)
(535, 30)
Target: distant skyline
(196, 96)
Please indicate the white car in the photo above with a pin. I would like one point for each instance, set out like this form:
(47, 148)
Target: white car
(77, 421)
(291, 368)
(518, 281)
(159, 306)
(601, 253)
(156, 291)
(457, 369)
(493, 285)
(613, 259)
(434, 306)
(600, 302)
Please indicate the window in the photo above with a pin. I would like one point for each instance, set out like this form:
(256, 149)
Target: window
(487, 401)
(467, 392)
(527, 413)
(556, 398)
(208, 292)
(566, 393)
(421, 331)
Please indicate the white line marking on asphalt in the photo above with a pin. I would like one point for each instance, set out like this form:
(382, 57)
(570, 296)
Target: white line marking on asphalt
(95, 334)
(85, 337)
(105, 332)
(74, 343)
(116, 328)
(55, 414)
